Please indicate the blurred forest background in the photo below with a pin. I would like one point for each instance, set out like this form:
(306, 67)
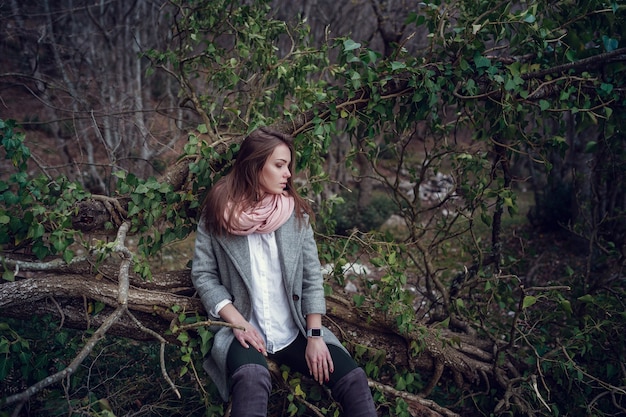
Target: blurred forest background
(466, 161)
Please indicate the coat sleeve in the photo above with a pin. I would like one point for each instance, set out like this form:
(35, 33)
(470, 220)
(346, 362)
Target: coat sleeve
(313, 300)
(205, 271)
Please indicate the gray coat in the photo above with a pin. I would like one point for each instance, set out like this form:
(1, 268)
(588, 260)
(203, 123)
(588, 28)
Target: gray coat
(221, 270)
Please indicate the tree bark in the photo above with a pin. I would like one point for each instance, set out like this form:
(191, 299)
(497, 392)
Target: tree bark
(68, 296)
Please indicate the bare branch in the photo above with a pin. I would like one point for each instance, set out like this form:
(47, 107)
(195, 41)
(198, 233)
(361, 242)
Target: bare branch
(122, 300)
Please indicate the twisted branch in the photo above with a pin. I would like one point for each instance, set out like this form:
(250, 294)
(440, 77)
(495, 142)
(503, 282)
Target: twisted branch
(122, 308)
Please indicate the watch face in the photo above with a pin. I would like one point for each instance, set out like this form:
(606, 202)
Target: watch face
(316, 332)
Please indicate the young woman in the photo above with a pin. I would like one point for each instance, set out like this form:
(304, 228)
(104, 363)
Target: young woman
(256, 266)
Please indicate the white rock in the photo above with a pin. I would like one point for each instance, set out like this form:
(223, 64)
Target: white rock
(350, 287)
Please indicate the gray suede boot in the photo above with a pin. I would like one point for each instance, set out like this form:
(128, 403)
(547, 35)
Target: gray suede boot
(354, 395)
(250, 391)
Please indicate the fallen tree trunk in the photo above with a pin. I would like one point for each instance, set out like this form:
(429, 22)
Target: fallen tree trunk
(58, 292)
(68, 296)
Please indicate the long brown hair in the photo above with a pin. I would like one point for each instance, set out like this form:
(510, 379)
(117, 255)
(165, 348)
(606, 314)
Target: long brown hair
(241, 185)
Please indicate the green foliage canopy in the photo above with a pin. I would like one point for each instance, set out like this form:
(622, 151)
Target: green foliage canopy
(517, 78)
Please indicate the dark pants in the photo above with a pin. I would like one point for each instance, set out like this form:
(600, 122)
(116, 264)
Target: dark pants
(252, 383)
(293, 357)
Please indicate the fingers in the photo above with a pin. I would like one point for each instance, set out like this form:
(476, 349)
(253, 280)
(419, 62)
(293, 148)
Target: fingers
(318, 360)
(321, 368)
(322, 372)
(250, 338)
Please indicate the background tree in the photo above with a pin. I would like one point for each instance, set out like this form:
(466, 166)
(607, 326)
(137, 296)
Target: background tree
(456, 312)
(78, 69)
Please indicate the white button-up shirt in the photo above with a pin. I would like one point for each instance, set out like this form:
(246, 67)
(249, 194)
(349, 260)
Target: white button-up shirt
(270, 304)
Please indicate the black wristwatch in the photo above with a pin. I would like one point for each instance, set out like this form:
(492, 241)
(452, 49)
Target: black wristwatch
(315, 333)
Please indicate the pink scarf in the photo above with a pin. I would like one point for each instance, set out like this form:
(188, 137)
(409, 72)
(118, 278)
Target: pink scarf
(267, 216)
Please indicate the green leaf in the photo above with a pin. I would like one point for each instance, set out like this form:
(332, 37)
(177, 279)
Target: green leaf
(395, 65)
(8, 275)
(372, 56)
(587, 298)
(299, 392)
(40, 250)
(591, 146)
(292, 409)
(9, 198)
(68, 255)
(358, 299)
(133, 210)
(401, 384)
(567, 306)
(607, 88)
(61, 338)
(205, 338)
(529, 18)
(482, 62)
(4, 346)
(443, 324)
(610, 44)
(392, 258)
(377, 262)
(529, 300)
(98, 307)
(350, 45)
(183, 337)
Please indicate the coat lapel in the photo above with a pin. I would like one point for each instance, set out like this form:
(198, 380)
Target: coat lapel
(289, 246)
(237, 249)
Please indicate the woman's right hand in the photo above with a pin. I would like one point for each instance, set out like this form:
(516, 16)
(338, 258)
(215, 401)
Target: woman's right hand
(245, 333)
(249, 337)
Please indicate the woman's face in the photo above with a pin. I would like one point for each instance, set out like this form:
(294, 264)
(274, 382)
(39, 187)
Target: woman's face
(275, 172)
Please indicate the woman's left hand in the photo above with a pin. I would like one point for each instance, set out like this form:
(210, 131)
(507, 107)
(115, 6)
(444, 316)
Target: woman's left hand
(318, 359)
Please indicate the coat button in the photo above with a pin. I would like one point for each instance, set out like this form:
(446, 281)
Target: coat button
(295, 297)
